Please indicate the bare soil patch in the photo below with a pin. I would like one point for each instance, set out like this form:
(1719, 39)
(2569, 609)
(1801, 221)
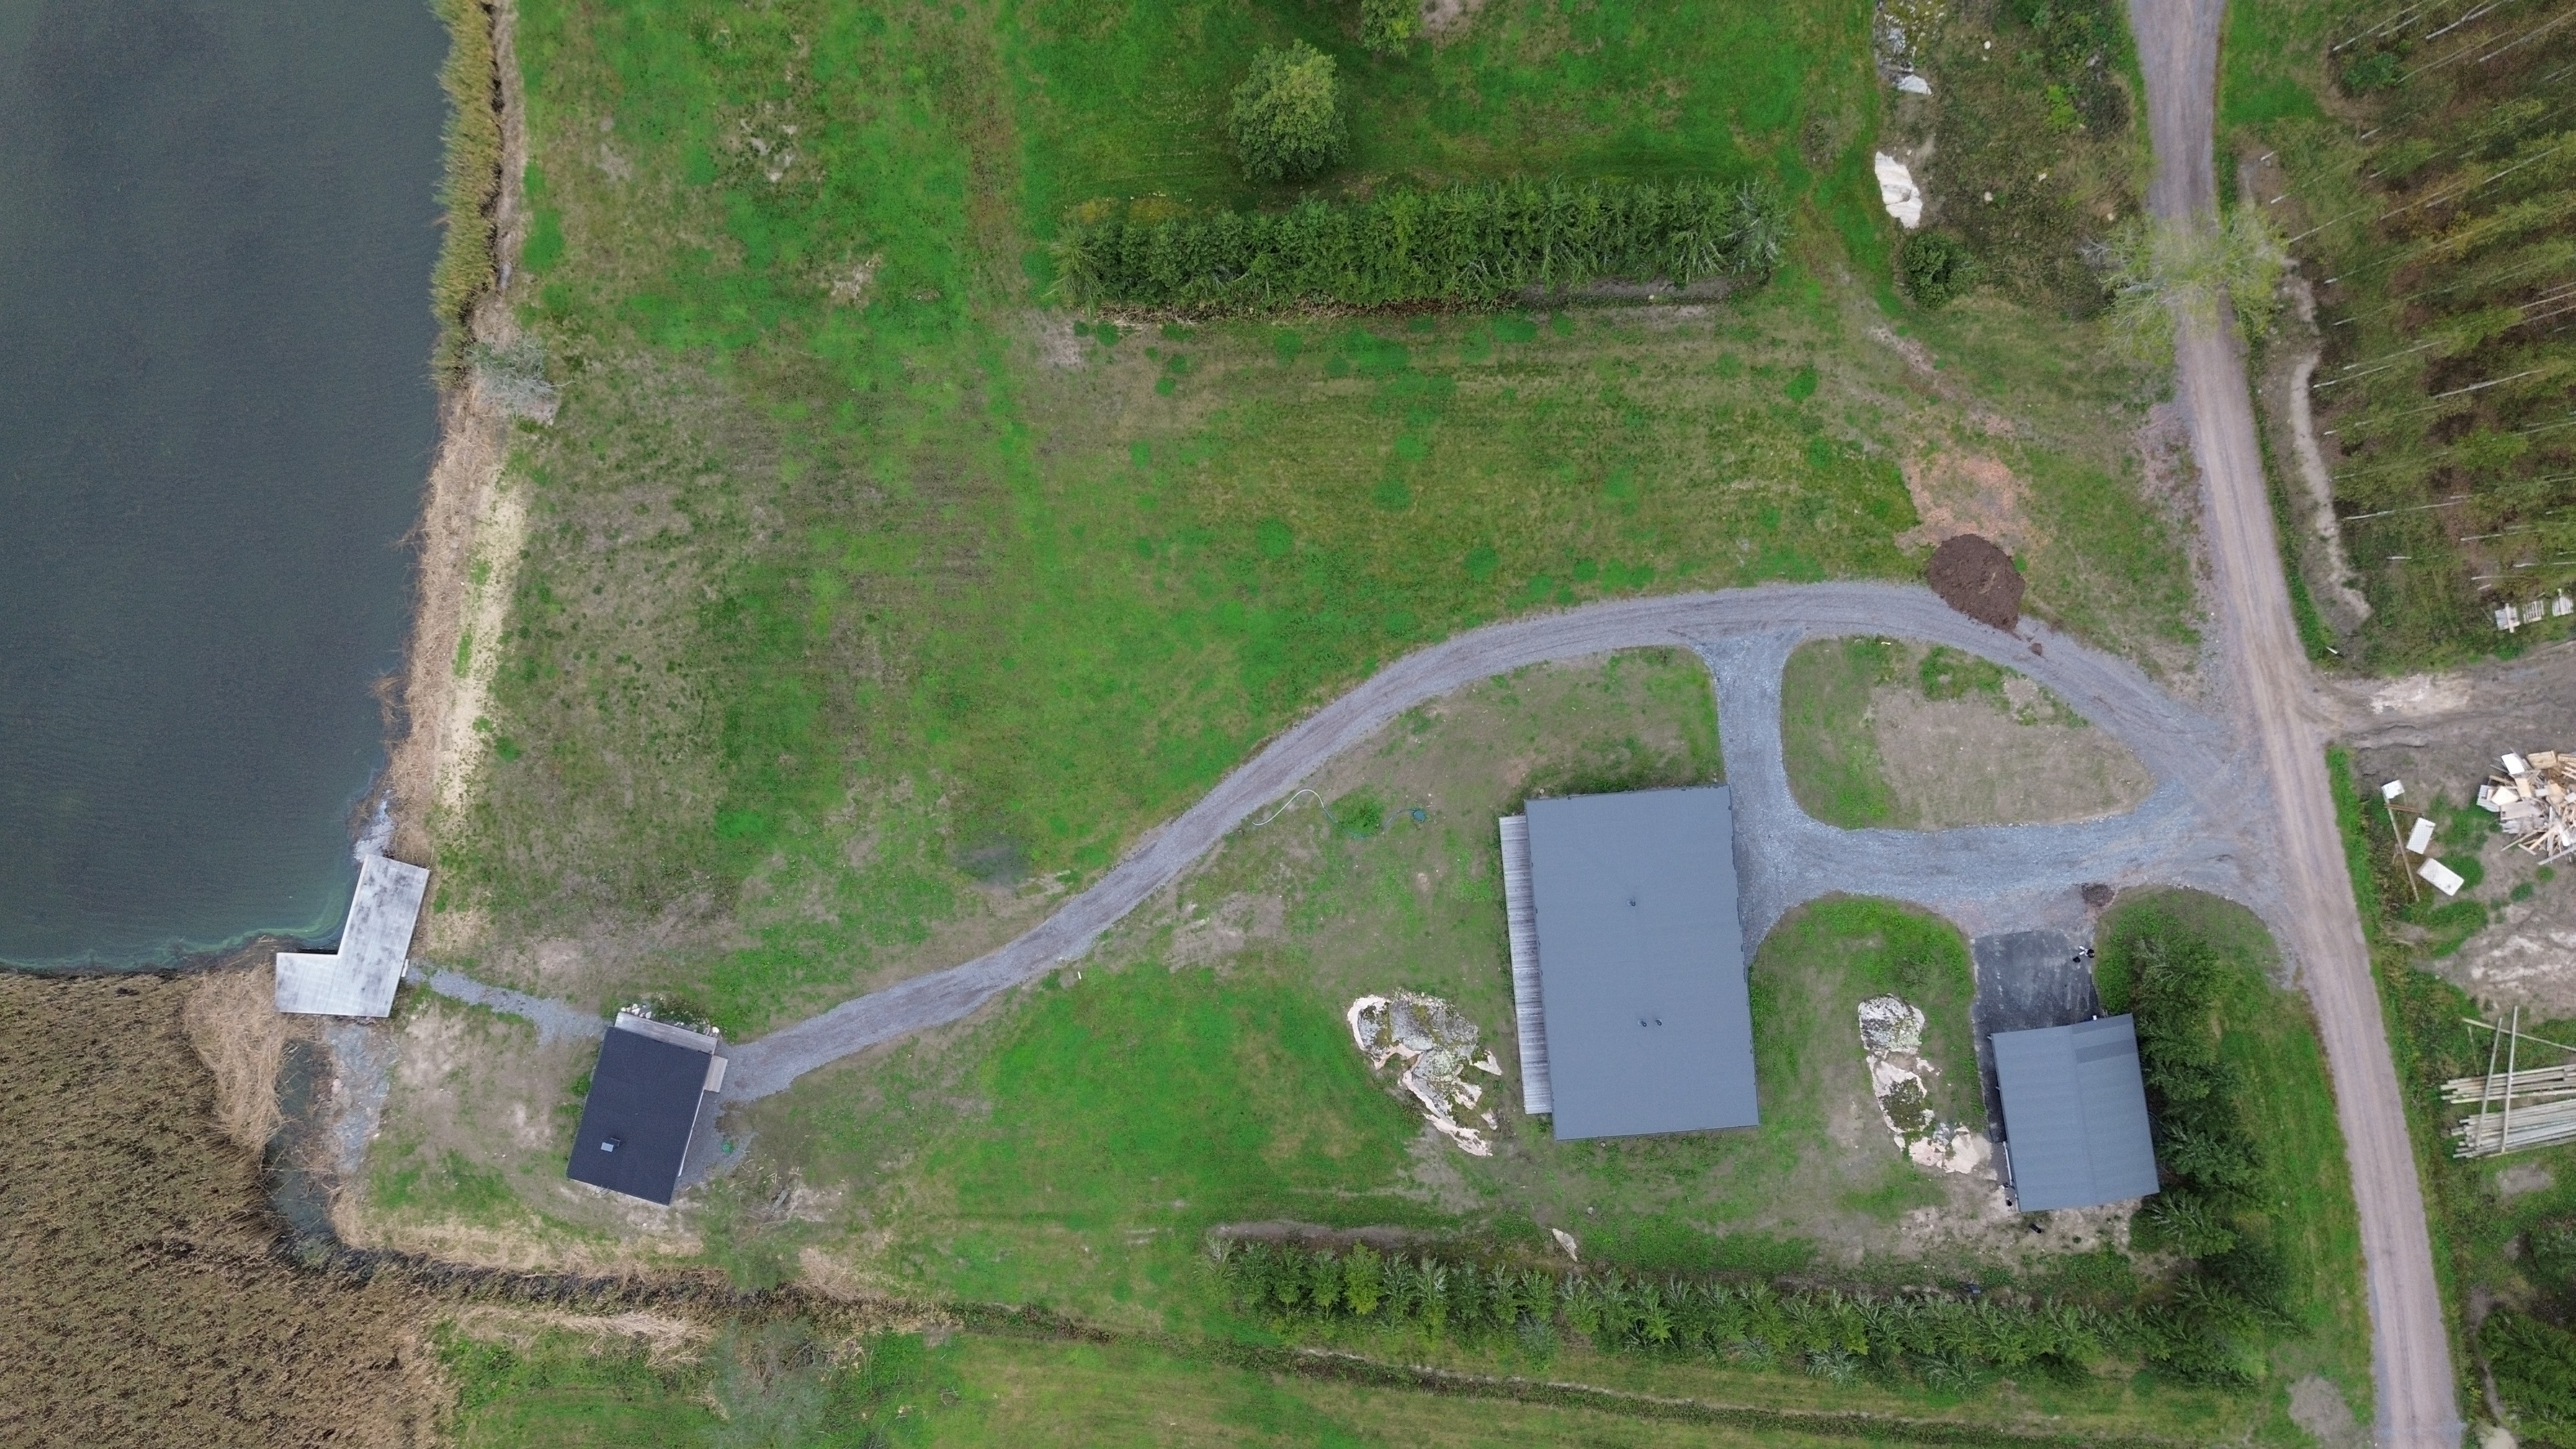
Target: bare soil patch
(1979, 761)
(1957, 493)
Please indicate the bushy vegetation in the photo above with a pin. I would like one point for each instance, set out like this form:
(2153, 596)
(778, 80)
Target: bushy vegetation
(1388, 26)
(2076, 57)
(1464, 245)
(473, 177)
(2440, 213)
(2034, 158)
(1941, 1340)
(1937, 268)
(2534, 1363)
(1286, 119)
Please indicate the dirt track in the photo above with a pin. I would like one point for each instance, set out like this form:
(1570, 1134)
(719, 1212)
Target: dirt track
(2284, 724)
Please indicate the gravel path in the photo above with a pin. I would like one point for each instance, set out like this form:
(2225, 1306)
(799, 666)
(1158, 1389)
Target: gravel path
(1985, 878)
(2283, 718)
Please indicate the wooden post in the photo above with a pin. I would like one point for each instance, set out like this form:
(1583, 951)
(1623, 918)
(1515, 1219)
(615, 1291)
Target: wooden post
(2504, 1129)
(2495, 1044)
(2408, 871)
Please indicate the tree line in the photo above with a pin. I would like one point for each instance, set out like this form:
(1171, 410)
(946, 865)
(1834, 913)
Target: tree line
(2451, 256)
(1943, 1340)
(1454, 245)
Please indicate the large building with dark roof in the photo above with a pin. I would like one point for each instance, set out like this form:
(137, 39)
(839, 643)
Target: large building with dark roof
(1628, 963)
(651, 1085)
(2075, 1114)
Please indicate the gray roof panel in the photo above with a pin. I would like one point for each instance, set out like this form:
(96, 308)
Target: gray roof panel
(2075, 1114)
(1641, 963)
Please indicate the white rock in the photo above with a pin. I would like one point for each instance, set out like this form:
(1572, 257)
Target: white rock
(1914, 85)
(1897, 192)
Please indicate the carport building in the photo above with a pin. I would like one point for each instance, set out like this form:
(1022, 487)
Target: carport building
(1628, 964)
(2075, 1114)
(652, 1084)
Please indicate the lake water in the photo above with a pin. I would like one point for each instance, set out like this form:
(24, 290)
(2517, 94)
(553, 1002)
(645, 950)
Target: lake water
(217, 219)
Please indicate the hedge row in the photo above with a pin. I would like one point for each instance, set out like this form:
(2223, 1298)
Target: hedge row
(1455, 245)
(1823, 1332)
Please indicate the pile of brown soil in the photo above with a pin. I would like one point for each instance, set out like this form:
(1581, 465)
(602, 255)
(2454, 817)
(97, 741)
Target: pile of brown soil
(136, 1274)
(1977, 578)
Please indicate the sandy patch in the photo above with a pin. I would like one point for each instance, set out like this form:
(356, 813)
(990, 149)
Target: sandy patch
(1206, 937)
(471, 531)
(665, 1340)
(2319, 1408)
(1967, 762)
(1958, 492)
(1444, 20)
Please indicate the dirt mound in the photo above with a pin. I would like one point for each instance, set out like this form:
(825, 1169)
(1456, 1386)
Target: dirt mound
(1978, 579)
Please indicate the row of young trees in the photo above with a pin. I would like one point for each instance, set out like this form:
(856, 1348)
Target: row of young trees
(1474, 244)
(1940, 1339)
(2452, 360)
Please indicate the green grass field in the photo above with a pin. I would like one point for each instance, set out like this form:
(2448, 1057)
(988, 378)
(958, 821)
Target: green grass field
(1833, 763)
(855, 623)
(575, 1389)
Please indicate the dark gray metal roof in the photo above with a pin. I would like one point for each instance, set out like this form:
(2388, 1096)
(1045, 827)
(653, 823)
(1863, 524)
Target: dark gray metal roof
(2075, 1114)
(642, 1110)
(1641, 963)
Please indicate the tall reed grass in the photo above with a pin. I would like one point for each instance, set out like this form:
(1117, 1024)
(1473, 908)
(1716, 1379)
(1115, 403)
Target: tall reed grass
(472, 184)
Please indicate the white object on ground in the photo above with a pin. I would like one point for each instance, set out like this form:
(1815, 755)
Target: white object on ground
(1914, 85)
(2441, 877)
(2562, 606)
(2392, 789)
(2420, 836)
(2516, 765)
(2508, 618)
(1897, 191)
(1436, 1043)
(1565, 1240)
(1890, 1024)
(1891, 1037)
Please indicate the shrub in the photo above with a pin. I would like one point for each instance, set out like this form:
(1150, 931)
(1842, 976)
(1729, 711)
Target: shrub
(2535, 1373)
(1287, 115)
(1937, 267)
(1467, 245)
(1387, 26)
(2376, 71)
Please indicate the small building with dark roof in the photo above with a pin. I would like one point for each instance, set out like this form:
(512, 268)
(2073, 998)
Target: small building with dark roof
(1628, 963)
(2075, 1114)
(646, 1095)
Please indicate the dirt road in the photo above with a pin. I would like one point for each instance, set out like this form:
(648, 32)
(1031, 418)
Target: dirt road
(2278, 709)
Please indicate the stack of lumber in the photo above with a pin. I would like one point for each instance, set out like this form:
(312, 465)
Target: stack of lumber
(2518, 1107)
(2534, 801)
(2491, 1133)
